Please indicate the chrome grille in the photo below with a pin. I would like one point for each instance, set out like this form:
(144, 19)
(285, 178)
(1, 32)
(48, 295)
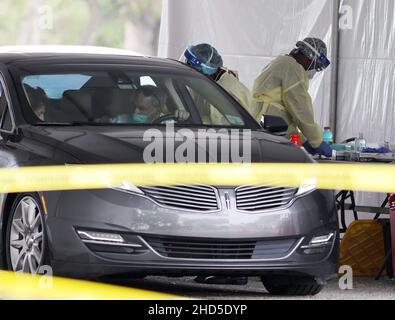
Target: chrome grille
(200, 198)
(258, 198)
(219, 249)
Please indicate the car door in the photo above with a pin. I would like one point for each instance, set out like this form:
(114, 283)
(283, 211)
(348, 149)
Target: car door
(7, 126)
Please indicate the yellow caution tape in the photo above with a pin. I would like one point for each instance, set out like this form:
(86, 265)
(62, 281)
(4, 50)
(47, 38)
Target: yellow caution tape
(38, 287)
(361, 177)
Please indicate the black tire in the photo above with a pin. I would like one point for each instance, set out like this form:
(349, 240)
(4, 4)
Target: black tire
(45, 251)
(291, 285)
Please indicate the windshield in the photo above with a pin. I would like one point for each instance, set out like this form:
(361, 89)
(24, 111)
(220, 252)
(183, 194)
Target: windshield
(125, 97)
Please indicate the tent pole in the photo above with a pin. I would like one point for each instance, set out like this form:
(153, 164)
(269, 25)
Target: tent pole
(335, 67)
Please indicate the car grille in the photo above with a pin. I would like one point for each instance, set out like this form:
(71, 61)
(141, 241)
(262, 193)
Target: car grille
(258, 198)
(217, 249)
(200, 198)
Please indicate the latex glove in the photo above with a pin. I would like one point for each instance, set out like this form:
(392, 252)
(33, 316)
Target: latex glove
(309, 148)
(324, 149)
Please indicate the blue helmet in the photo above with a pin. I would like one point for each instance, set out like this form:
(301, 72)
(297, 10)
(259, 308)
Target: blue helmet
(204, 58)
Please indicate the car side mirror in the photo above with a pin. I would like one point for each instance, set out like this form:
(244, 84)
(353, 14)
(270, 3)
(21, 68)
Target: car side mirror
(274, 124)
(15, 136)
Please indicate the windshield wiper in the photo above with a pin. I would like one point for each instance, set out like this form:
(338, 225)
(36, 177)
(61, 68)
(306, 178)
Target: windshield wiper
(69, 124)
(190, 125)
(53, 124)
(88, 123)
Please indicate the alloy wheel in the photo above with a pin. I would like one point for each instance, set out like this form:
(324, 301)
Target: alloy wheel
(26, 237)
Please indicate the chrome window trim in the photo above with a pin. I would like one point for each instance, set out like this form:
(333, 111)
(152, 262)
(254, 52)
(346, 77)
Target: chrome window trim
(9, 106)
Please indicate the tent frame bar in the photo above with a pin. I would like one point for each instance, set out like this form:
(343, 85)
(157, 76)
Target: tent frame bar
(333, 103)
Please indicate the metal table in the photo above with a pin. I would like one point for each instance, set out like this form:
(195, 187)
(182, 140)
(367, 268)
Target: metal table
(351, 156)
(387, 207)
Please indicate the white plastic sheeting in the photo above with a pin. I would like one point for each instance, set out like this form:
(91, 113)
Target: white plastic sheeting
(366, 95)
(249, 34)
(366, 86)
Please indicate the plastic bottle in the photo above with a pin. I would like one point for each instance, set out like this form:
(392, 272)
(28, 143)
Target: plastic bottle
(387, 146)
(360, 143)
(327, 135)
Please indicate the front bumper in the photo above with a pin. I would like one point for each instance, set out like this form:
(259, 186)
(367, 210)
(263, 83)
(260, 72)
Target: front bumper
(138, 220)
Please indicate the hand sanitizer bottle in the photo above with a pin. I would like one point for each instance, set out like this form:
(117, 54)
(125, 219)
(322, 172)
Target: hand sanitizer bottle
(360, 143)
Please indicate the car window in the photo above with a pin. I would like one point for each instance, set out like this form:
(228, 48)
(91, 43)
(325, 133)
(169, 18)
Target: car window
(6, 121)
(118, 97)
(211, 113)
(147, 81)
(55, 85)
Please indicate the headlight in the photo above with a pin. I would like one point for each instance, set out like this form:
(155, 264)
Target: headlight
(307, 186)
(100, 236)
(129, 188)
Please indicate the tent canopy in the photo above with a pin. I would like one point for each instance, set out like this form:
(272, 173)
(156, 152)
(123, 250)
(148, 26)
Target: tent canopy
(249, 34)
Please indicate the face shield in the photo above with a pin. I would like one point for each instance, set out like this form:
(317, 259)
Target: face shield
(320, 62)
(190, 59)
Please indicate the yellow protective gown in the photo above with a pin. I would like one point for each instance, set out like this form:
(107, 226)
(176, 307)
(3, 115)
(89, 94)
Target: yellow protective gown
(228, 81)
(282, 90)
(236, 88)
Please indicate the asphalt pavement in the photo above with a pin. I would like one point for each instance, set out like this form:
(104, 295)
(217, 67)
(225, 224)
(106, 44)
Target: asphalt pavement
(363, 289)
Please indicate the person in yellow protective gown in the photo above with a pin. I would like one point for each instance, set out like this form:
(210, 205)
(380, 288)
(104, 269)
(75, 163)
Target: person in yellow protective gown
(206, 59)
(229, 80)
(282, 90)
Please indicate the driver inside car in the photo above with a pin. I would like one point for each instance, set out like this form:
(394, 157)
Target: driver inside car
(145, 108)
(148, 108)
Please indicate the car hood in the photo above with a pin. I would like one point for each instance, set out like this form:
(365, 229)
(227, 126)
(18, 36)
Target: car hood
(94, 145)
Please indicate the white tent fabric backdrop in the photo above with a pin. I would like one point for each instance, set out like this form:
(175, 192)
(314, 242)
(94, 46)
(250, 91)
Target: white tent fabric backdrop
(249, 34)
(366, 86)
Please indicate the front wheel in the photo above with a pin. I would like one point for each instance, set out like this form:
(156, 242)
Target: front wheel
(291, 286)
(26, 249)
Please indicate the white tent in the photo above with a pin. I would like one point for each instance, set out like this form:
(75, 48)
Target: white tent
(357, 93)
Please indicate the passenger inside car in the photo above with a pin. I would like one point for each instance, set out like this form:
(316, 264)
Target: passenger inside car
(38, 101)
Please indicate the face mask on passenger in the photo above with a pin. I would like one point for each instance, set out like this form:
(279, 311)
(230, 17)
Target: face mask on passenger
(140, 118)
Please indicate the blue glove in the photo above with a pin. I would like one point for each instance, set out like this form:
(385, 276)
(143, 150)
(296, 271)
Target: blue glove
(324, 149)
(309, 148)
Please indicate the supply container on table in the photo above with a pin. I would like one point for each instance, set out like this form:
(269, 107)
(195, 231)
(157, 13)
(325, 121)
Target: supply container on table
(327, 135)
(360, 143)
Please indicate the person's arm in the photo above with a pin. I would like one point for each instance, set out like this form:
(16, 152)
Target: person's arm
(237, 89)
(298, 103)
